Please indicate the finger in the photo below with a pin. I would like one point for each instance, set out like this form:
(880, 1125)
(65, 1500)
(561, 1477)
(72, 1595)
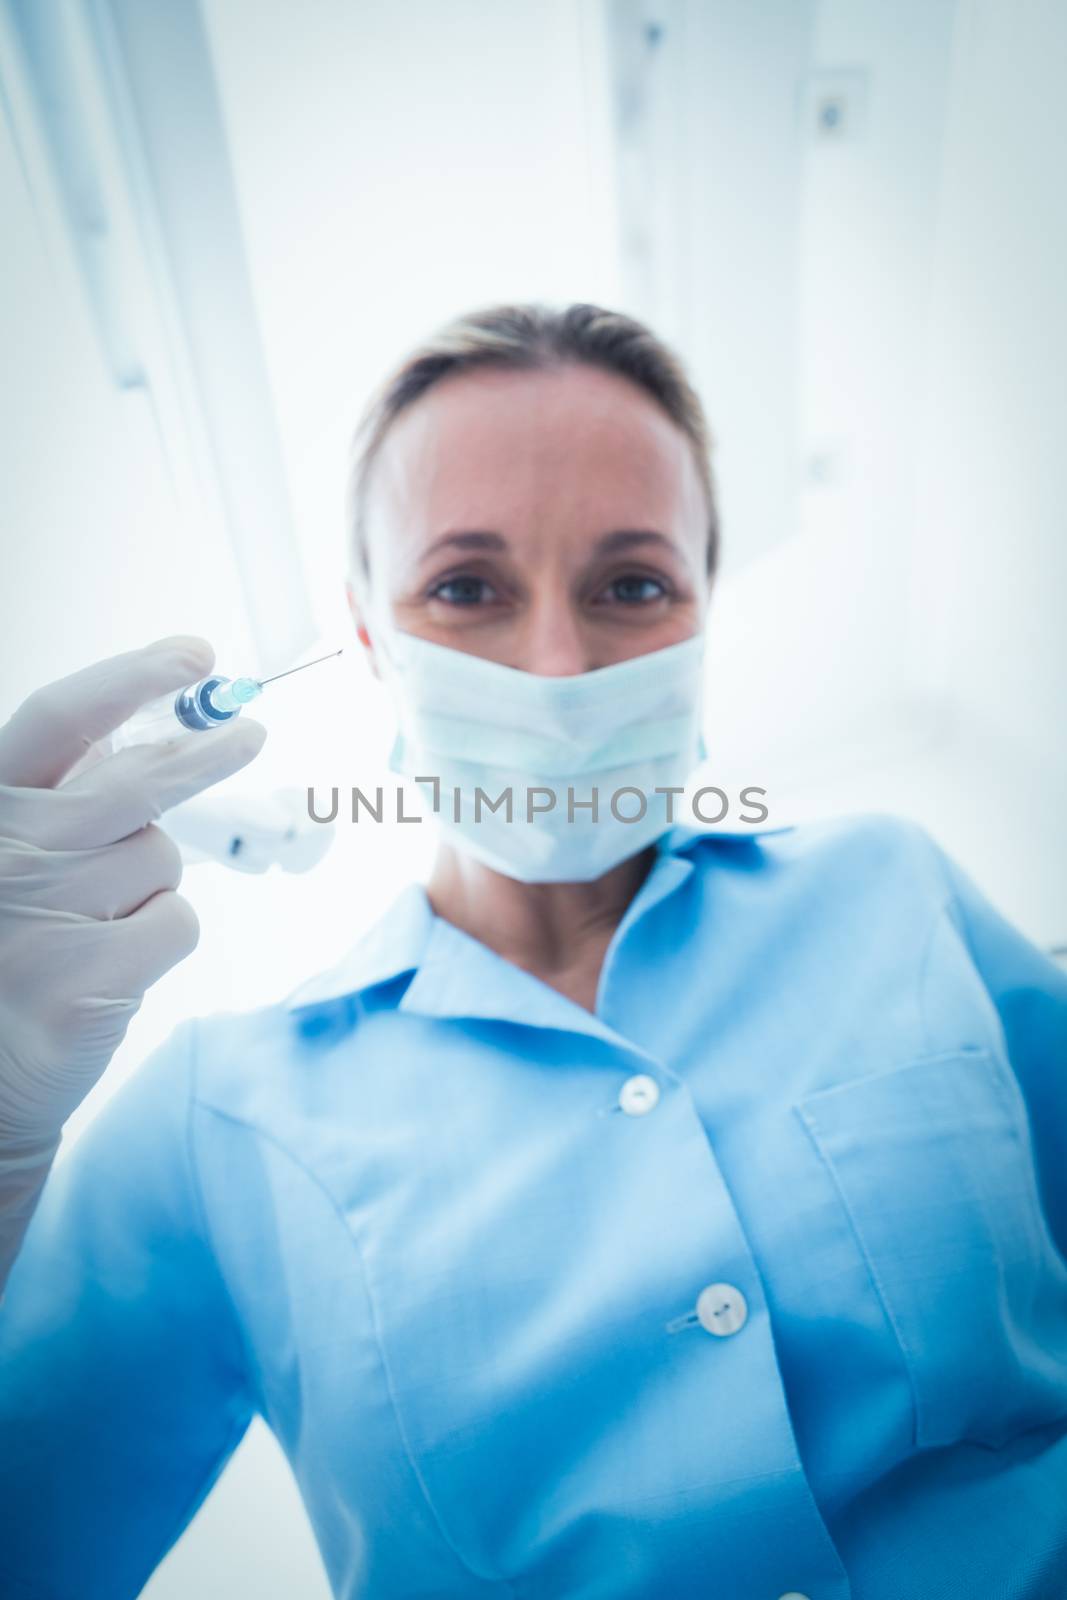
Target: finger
(125, 875)
(54, 727)
(99, 750)
(101, 884)
(129, 790)
(105, 969)
(99, 971)
(150, 941)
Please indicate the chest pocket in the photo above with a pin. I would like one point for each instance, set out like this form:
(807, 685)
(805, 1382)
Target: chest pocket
(933, 1166)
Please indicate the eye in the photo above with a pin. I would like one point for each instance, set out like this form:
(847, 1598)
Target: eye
(636, 588)
(465, 589)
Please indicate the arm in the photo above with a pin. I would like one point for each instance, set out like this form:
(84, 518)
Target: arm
(89, 913)
(1029, 993)
(123, 1384)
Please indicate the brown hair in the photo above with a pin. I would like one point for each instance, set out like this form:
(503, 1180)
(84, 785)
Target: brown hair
(517, 337)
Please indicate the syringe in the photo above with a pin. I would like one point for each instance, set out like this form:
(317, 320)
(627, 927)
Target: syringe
(209, 703)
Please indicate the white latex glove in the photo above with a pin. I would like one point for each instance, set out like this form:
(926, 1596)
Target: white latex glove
(89, 917)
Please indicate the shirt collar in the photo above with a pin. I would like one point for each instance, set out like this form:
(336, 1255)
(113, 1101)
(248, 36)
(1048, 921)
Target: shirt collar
(390, 946)
(396, 944)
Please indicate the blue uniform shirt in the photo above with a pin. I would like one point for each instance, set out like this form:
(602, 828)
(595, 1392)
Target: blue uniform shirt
(751, 1283)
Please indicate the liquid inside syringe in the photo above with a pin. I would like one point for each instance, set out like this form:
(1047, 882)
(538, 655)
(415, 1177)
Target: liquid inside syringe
(209, 703)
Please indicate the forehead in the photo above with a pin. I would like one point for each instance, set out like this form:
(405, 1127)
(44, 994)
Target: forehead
(496, 449)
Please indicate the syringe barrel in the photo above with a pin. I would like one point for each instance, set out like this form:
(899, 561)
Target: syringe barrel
(176, 715)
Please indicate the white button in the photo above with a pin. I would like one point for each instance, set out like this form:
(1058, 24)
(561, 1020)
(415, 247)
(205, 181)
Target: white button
(794, 1594)
(721, 1308)
(638, 1094)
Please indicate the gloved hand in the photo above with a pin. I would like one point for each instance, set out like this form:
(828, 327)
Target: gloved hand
(89, 917)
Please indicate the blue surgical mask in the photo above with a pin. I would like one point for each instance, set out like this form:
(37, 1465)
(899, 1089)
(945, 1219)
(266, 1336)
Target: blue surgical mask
(549, 742)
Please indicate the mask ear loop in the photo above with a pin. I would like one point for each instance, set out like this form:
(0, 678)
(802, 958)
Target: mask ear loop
(381, 631)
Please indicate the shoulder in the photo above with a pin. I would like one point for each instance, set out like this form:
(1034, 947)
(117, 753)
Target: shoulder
(845, 875)
(867, 847)
(877, 843)
(238, 1060)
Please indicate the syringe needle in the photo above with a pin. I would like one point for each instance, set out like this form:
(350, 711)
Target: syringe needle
(290, 670)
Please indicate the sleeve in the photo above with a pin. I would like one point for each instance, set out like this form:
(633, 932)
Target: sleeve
(1029, 993)
(123, 1384)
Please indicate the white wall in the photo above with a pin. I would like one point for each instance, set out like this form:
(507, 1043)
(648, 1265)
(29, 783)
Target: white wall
(96, 557)
(989, 567)
(816, 674)
(897, 642)
(958, 576)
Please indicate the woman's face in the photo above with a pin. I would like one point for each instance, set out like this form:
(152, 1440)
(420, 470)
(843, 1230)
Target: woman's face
(553, 521)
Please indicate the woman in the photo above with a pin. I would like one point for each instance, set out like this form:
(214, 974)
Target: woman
(671, 1212)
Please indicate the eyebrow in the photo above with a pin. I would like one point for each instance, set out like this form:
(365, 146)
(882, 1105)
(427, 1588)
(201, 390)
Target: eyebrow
(474, 540)
(608, 543)
(625, 538)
